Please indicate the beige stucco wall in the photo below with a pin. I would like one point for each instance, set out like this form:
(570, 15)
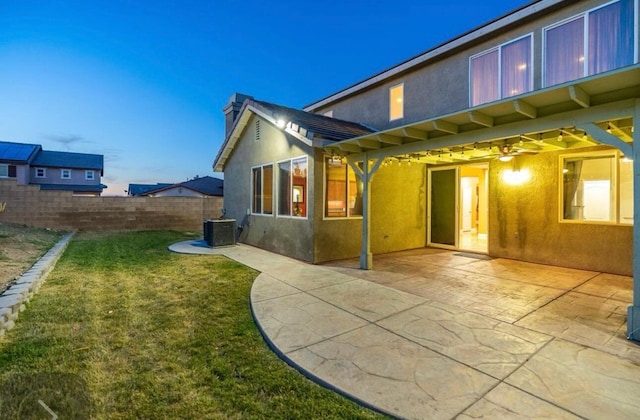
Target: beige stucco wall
(524, 222)
(441, 85)
(292, 236)
(398, 215)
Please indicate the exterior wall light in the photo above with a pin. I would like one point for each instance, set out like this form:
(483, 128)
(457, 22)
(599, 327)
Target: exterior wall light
(516, 176)
(281, 123)
(505, 158)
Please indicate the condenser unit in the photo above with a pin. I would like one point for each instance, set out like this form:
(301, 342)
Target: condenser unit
(220, 232)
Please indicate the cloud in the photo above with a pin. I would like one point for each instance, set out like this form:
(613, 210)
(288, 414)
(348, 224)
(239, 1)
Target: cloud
(67, 140)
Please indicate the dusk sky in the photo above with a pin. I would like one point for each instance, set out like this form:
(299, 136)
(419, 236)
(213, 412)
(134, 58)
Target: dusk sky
(144, 82)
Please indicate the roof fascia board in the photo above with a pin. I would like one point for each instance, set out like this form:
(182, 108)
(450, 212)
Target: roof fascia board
(273, 121)
(484, 30)
(238, 128)
(579, 117)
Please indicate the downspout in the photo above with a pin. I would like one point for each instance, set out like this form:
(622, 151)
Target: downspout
(633, 311)
(366, 174)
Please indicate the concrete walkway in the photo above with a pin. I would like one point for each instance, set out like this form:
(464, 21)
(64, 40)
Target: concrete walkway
(436, 334)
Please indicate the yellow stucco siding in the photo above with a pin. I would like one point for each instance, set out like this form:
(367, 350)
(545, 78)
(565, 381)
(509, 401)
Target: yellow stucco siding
(524, 222)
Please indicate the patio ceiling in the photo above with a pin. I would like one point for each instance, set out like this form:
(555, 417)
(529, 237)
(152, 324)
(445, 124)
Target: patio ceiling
(550, 119)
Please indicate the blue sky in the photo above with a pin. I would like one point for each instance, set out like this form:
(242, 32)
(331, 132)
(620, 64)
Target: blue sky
(144, 82)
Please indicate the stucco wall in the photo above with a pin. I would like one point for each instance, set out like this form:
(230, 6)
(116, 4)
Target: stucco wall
(524, 223)
(27, 205)
(441, 86)
(291, 236)
(398, 216)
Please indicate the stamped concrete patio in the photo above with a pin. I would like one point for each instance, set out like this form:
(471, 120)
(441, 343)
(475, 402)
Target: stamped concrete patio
(439, 334)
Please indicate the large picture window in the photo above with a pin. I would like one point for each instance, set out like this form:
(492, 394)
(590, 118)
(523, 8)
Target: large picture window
(502, 72)
(597, 188)
(262, 189)
(594, 42)
(292, 187)
(343, 190)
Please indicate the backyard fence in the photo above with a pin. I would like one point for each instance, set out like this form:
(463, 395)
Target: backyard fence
(28, 205)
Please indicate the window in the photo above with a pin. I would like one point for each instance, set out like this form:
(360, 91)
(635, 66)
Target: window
(594, 42)
(292, 187)
(89, 175)
(396, 102)
(502, 72)
(597, 188)
(4, 170)
(262, 189)
(41, 172)
(65, 173)
(343, 190)
(329, 113)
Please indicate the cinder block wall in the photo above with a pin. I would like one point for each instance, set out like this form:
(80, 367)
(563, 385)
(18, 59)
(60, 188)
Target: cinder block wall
(27, 205)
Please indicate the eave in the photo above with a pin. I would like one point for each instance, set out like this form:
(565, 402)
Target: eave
(543, 120)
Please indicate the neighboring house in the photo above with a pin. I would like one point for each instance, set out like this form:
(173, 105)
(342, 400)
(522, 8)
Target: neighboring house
(66, 171)
(515, 139)
(206, 186)
(140, 189)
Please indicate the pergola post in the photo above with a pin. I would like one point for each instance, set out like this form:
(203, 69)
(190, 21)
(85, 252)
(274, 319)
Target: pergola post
(633, 312)
(366, 174)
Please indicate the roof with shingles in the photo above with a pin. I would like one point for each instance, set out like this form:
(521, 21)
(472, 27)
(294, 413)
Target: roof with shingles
(327, 128)
(18, 152)
(206, 185)
(139, 189)
(69, 160)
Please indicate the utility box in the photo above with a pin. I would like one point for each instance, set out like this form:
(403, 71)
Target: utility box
(220, 232)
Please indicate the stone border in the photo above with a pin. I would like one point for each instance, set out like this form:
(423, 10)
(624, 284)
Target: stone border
(19, 292)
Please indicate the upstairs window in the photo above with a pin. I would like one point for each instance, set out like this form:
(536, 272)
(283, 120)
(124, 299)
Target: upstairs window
(89, 175)
(262, 189)
(396, 102)
(502, 72)
(343, 190)
(292, 187)
(594, 42)
(41, 172)
(65, 173)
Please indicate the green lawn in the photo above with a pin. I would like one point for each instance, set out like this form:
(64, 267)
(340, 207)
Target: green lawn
(124, 329)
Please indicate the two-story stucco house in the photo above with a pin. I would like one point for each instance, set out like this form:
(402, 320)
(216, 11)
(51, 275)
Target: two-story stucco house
(515, 139)
(65, 171)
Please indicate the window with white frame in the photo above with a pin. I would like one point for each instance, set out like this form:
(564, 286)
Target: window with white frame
(4, 170)
(396, 102)
(597, 188)
(89, 175)
(343, 189)
(65, 173)
(593, 42)
(41, 172)
(292, 187)
(262, 189)
(502, 72)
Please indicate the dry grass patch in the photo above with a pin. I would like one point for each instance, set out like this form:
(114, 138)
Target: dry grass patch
(20, 247)
(133, 331)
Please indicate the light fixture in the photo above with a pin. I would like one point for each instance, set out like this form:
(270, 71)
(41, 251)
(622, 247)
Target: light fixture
(280, 123)
(560, 135)
(609, 127)
(505, 158)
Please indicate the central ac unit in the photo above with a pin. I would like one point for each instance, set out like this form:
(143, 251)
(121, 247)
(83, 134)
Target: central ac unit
(220, 232)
